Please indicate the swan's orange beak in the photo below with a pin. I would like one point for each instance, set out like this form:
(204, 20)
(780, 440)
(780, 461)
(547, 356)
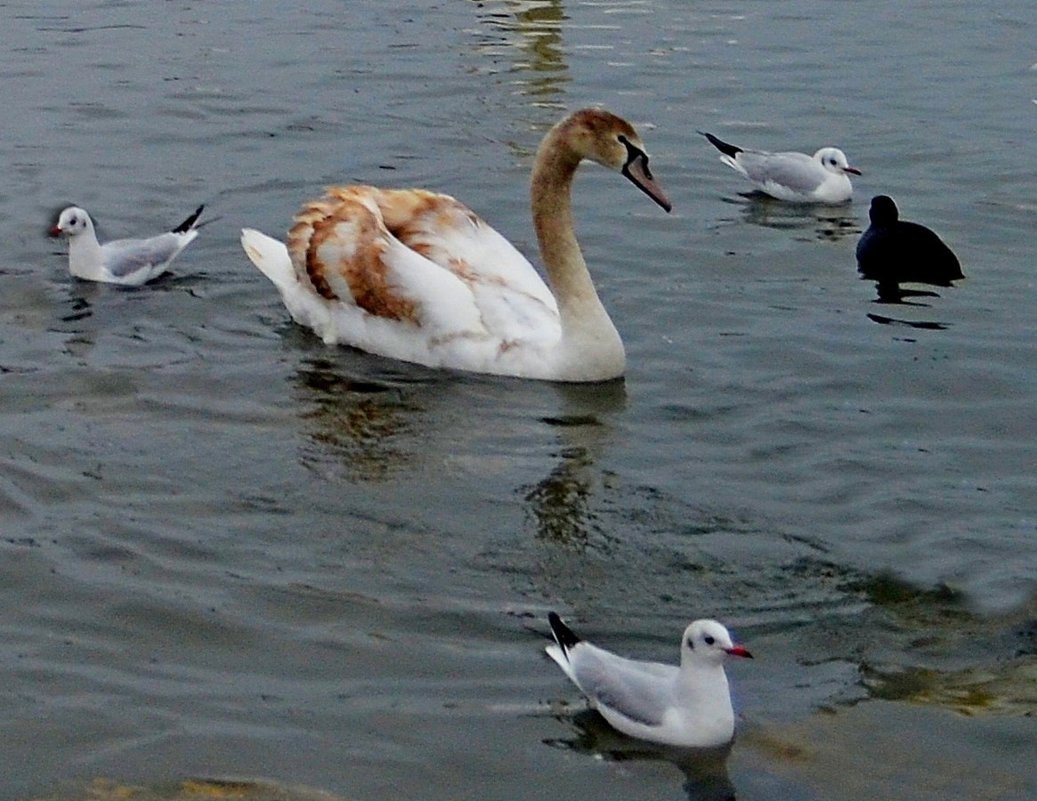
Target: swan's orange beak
(636, 169)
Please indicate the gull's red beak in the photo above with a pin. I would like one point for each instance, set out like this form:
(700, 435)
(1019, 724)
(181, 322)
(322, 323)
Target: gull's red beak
(854, 170)
(738, 650)
(55, 231)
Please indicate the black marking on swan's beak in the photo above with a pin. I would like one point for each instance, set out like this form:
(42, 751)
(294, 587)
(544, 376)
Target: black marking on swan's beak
(636, 170)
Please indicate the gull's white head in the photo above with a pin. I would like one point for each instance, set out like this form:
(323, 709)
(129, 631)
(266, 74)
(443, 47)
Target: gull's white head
(834, 160)
(708, 641)
(72, 222)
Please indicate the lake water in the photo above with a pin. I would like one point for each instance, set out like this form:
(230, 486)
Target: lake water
(230, 550)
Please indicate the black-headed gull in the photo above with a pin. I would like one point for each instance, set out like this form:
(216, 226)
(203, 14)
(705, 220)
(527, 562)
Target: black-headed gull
(893, 251)
(796, 177)
(130, 262)
(687, 706)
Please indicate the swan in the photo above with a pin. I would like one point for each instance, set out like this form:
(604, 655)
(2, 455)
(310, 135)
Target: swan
(418, 276)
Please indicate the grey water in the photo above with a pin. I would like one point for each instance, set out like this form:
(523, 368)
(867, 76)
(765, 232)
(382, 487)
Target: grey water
(229, 550)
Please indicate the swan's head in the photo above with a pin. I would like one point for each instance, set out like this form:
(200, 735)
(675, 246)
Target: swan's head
(834, 160)
(611, 141)
(72, 222)
(707, 641)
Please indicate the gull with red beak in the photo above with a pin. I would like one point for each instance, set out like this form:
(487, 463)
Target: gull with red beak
(129, 262)
(688, 706)
(791, 176)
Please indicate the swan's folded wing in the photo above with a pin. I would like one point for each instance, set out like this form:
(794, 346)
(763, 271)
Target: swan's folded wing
(421, 258)
(512, 298)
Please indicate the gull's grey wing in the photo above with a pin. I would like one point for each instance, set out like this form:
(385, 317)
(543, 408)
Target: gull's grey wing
(639, 691)
(796, 171)
(124, 257)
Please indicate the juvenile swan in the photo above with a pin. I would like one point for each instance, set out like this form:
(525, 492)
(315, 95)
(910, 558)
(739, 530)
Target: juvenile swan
(417, 276)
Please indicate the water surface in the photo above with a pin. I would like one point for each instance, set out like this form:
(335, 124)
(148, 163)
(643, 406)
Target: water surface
(230, 550)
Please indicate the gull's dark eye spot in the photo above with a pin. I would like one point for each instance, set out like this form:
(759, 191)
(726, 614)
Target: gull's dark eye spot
(691, 643)
(709, 640)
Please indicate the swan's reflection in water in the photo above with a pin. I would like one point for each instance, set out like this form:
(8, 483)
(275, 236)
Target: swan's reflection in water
(384, 418)
(356, 424)
(560, 503)
(705, 769)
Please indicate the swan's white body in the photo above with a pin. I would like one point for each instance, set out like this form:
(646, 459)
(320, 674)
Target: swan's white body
(791, 176)
(417, 276)
(687, 706)
(128, 262)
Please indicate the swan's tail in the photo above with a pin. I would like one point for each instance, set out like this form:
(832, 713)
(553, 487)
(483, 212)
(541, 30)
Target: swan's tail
(270, 256)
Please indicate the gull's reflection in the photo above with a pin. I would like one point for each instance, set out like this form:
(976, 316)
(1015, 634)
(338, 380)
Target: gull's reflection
(83, 327)
(704, 769)
(526, 35)
(79, 309)
(78, 323)
(827, 222)
(560, 503)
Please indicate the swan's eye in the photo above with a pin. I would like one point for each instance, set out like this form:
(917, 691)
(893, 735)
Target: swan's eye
(709, 640)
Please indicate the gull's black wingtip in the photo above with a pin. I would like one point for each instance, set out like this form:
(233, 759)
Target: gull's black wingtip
(562, 633)
(189, 223)
(724, 147)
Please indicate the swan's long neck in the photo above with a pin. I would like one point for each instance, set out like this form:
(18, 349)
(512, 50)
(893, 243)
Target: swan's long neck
(587, 330)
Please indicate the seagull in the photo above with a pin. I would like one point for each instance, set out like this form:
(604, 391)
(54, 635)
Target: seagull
(892, 251)
(130, 262)
(687, 706)
(791, 176)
